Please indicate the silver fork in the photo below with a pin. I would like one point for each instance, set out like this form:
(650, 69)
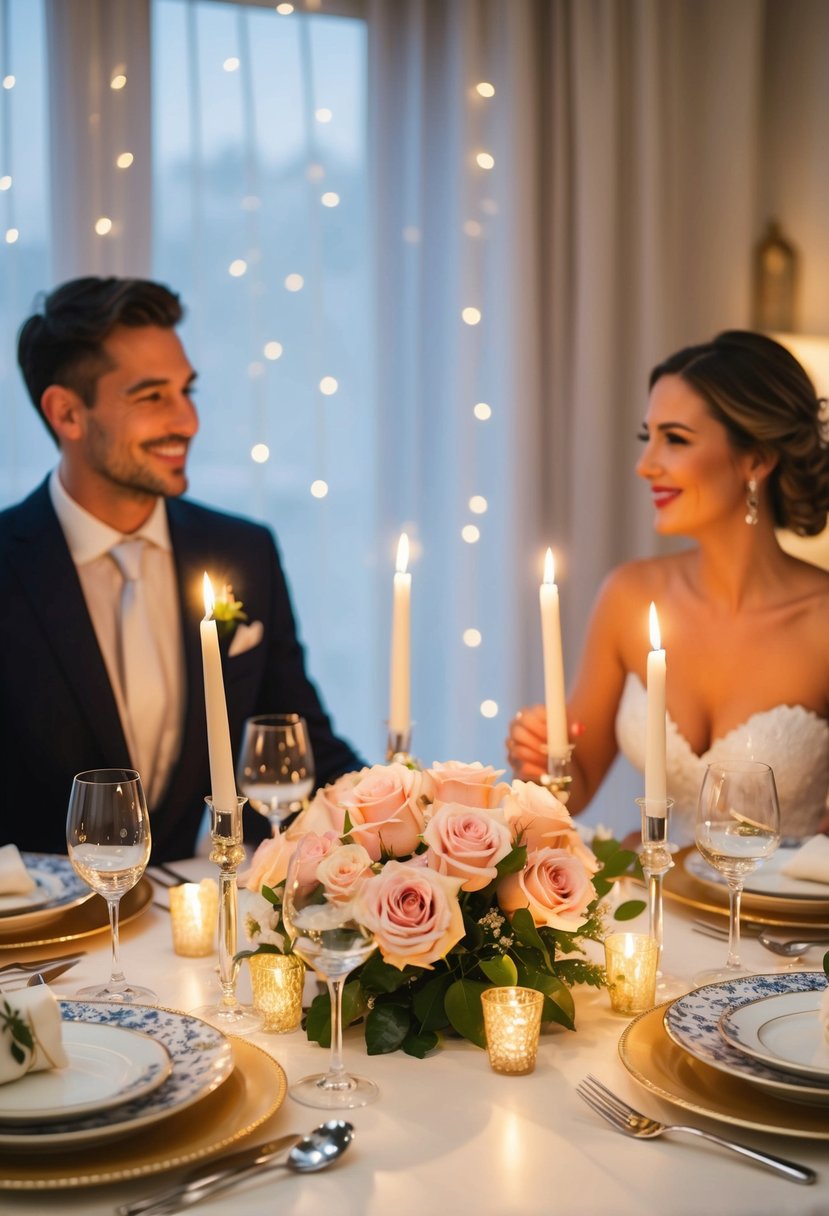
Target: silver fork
(625, 1119)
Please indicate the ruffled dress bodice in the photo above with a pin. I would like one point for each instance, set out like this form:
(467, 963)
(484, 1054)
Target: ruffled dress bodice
(793, 740)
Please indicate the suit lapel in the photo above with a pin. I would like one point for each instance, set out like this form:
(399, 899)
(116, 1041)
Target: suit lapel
(47, 573)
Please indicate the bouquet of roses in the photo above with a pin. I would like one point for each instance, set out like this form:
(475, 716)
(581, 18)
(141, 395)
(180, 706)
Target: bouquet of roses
(466, 881)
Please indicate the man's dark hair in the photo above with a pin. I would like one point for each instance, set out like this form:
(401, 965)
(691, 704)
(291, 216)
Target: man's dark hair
(62, 343)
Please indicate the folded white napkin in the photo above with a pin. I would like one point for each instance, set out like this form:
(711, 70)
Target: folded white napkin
(15, 879)
(810, 861)
(30, 1033)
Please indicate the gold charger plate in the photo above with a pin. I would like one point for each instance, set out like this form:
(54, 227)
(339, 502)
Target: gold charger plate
(85, 920)
(682, 887)
(252, 1093)
(655, 1061)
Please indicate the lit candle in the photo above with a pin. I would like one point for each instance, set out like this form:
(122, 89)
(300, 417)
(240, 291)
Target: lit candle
(222, 780)
(655, 781)
(558, 740)
(399, 694)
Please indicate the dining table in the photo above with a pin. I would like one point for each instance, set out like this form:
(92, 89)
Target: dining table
(447, 1133)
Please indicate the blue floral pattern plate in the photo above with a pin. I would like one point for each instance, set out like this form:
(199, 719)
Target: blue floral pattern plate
(57, 888)
(693, 1023)
(201, 1057)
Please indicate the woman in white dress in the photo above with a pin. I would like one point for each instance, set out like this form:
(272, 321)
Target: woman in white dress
(735, 445)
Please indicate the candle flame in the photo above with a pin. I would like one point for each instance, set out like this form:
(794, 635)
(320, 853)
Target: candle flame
(549, 567)
(656, 637)
(402, 554)
(209, 598)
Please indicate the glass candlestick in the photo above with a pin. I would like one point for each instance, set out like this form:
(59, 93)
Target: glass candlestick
(227, 853)
(398, 748)
(559, 777)
(656, 861)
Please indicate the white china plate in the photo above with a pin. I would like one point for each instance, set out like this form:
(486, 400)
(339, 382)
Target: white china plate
(201, 1057)
(108, 1065)
(58, 889)
(783, 1030)
(692, 1021)
(767, 879)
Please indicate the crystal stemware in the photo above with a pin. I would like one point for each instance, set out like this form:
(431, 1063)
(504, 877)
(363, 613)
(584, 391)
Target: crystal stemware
(737, 827)
(329, 935)
(275, 770)
(108, 841)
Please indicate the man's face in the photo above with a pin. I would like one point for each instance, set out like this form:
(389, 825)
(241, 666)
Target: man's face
(137, 432)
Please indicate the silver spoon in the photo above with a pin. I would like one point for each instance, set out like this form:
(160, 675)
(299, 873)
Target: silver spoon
(319, 1149)
(788, 949)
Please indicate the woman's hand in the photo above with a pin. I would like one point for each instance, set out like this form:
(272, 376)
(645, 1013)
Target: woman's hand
(527, 743)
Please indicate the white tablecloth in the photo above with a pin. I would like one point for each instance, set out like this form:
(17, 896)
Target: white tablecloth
(449, 1135)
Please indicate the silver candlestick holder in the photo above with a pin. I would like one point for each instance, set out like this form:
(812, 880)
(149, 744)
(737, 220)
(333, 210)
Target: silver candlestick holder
(656, 860)
(559, 775)
(398, 748)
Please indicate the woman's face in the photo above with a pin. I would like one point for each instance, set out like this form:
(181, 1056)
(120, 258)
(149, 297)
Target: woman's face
(697, 478)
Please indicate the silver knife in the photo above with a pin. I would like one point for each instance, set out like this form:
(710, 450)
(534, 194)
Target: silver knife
(211, 1173)
(13, 983)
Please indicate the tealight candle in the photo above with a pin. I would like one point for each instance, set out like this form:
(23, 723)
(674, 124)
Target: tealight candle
(194, 909)
(277, 981)
(512, 1021)
(631, 960)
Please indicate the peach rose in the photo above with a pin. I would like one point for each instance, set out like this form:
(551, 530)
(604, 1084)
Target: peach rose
(467, 844)
(384, 810)
(269, 863)
(341, 870)
(413, 912)
(473, 785)
(325, 810)
(309, 852)
(554, 885)
(542, 821)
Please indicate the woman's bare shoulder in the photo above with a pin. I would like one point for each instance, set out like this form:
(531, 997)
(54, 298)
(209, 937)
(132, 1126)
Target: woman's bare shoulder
(645, 577)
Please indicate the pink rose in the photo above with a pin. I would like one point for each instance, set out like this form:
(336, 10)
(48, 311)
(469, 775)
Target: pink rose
(413, 912)
(309, 852)
(469, 784)
(467, 844)
(541, 821)
(384, 810)
(341, 870)
(554, 885)
(269, 863)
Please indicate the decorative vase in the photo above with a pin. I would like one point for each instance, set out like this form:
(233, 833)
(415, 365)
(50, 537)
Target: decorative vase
(277, 981)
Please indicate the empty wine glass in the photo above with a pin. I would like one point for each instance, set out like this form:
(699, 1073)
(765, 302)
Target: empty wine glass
(108, 841)
(737, 827)
(275, 771)
(328, 935)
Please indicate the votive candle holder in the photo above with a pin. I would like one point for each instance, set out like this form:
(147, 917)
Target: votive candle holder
(277, 981)
(194, 913)
(512, 1022)
(631, 961)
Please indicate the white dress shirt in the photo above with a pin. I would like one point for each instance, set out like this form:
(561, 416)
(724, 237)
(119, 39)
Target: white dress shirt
(90, 541)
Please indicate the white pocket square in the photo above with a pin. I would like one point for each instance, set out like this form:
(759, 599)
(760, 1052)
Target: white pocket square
(245, 638)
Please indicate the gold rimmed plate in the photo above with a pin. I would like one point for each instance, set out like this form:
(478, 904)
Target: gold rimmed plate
(682, 887)
(85, 920)
(248, 1098)
(655, 1062)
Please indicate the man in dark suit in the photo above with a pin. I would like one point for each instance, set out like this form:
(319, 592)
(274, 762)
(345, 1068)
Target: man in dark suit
(111, 380)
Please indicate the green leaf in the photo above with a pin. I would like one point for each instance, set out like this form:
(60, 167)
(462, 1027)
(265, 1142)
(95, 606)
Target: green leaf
(387, 1026)
(559, 1005)
(273, 894)
(524, 929)
(826, 962)
(318, 1023)
(500, 969)
(630, 909)
(419, 1044)
(463, 1005)
(429, 1005)
(514, 861)
(379, 976)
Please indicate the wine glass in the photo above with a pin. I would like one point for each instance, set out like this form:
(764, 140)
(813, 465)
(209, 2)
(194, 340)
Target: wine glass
(275, 771)
(108, 841)
(327, 934)
(737, 828)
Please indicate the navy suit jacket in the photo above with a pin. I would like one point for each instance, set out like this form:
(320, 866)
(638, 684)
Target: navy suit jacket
(58, 715)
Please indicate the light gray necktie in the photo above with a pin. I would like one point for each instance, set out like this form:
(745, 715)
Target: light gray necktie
(142, 676)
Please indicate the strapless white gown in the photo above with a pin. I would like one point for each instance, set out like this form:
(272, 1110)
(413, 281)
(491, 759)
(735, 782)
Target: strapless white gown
(793, 740)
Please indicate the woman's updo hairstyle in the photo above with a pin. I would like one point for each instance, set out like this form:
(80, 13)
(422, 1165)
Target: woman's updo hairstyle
(766, 401)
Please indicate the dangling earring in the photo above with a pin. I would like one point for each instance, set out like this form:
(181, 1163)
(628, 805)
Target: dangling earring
(752, 502)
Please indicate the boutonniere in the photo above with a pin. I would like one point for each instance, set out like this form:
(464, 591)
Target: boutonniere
(227, 613)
